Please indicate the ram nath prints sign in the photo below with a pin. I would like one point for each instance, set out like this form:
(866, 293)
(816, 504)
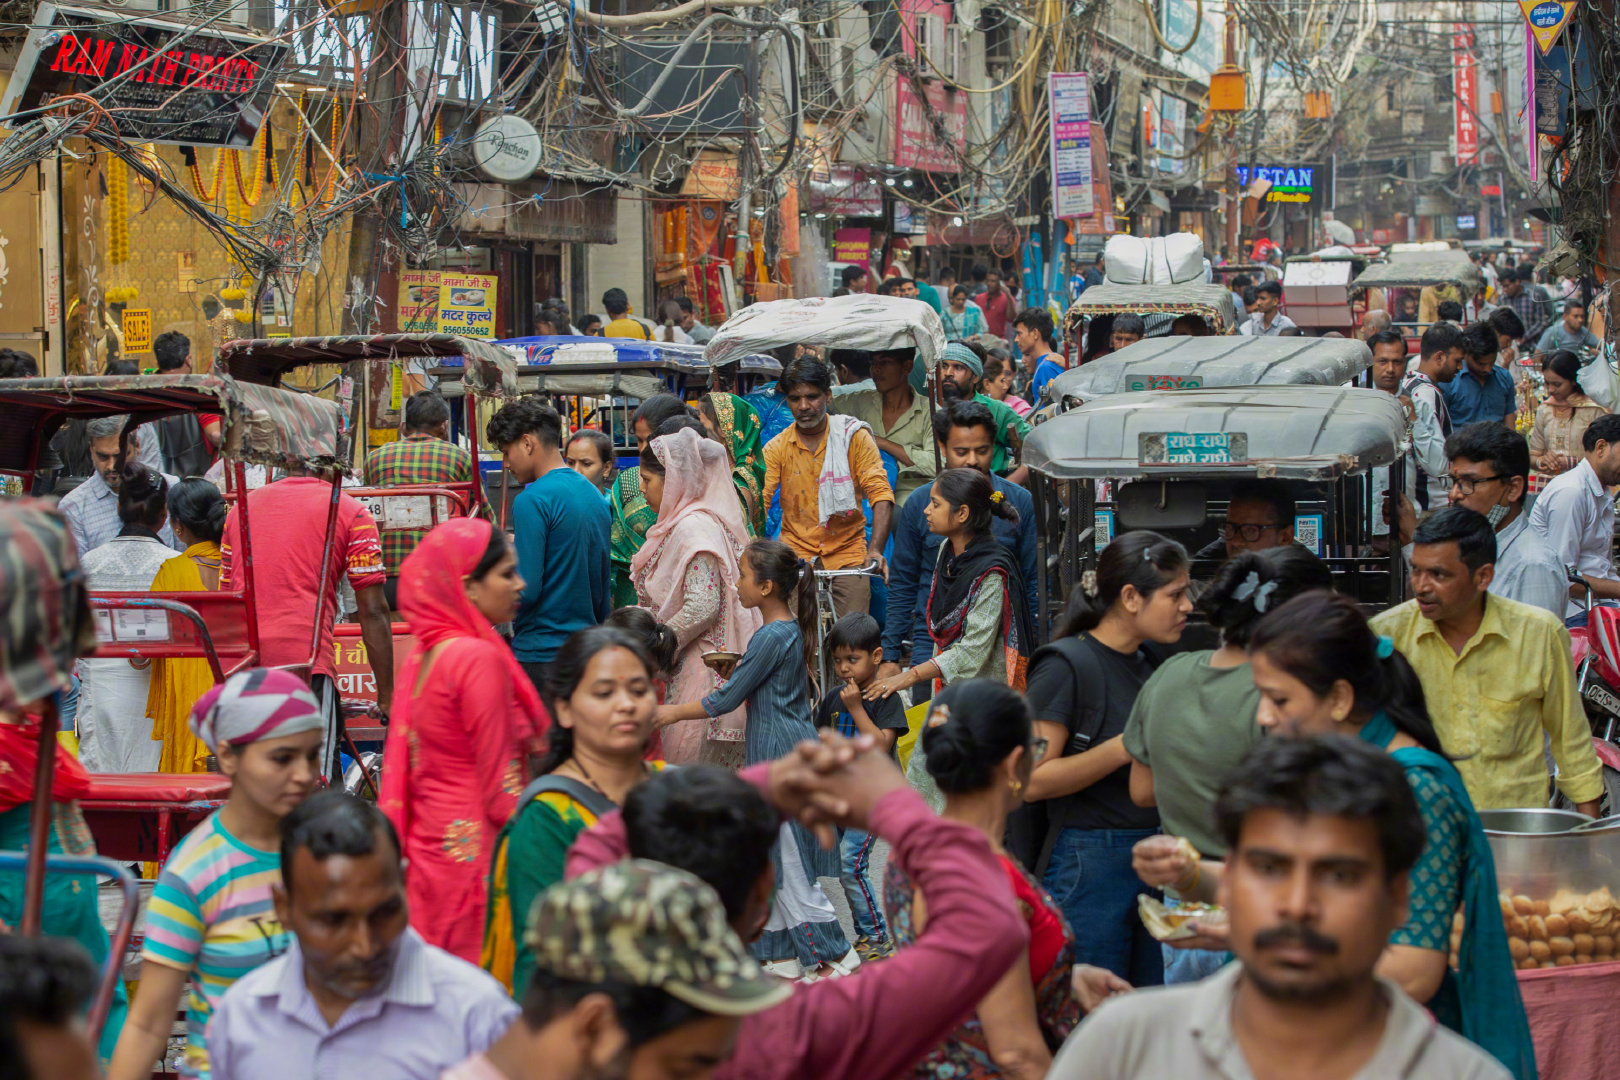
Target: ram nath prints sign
(159, 81)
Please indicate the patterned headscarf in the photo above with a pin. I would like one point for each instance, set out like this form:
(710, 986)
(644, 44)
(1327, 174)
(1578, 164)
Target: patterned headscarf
(965, 356)
(43, 603)
(253, 705)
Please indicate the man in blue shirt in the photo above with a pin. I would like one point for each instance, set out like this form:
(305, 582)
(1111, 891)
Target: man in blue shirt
(1482, 390)
(966, 432)
(560, 531)
(1036, 338)
(1571, 333)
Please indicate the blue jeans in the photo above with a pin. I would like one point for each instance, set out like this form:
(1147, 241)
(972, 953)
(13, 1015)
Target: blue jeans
(1091, 879)
(865, 906)
(67, 705)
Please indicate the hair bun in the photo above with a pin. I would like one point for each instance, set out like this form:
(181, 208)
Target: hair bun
(953, 757)
(140, 481)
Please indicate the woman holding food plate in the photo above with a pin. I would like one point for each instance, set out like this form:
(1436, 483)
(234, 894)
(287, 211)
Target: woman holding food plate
(1320, 669)
(686, 575)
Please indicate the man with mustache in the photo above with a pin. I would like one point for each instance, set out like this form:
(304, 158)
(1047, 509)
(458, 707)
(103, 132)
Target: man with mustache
(1322, 833)
(961, 378)
(358, 993)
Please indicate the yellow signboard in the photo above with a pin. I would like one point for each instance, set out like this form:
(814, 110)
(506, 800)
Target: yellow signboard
(418, 301)
(137, 330)
(1547, 19)
(467, 304)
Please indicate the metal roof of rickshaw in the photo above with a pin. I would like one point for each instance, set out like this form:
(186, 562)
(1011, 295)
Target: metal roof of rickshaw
(857, 321)
(603, 354)
(490, 370)
(1223, 360)
(1413, 268)
(1112, 298)
(263, 425)
(1293, 433)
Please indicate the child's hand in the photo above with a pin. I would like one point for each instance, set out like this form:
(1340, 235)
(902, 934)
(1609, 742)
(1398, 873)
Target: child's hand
(850, 695)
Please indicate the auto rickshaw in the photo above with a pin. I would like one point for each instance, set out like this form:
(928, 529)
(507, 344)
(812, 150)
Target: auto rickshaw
(140, 816)
(1167, 459)
(1090, 319)
(1402, 279)
(1191, 363)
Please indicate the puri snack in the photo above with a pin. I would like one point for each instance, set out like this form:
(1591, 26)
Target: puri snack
(1564, 930)
(1171, 924)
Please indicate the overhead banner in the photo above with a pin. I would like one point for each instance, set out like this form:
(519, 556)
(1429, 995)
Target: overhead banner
(156, 80)
(916, 143)
(1547, 19)
(1070, 98)
(1465, 85)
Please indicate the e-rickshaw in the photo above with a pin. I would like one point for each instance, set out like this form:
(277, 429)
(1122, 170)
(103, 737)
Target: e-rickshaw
(1167, 459)
(857, 321)
(483, 372)
(1090, 319)
(1406, 274)
(1191, 363)
(140, 816)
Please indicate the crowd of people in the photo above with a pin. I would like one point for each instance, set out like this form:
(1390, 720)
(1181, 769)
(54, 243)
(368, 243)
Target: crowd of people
(625, 749)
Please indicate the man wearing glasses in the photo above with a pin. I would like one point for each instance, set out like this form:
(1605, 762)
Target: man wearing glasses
(1260, 516)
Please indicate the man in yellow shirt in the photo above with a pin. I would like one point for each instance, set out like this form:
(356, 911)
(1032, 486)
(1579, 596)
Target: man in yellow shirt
(1495, 673)
(620, 324)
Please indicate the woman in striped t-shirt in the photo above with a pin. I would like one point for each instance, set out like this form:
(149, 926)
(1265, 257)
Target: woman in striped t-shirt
(211, 919)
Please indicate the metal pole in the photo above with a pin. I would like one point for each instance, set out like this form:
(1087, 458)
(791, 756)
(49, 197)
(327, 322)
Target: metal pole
(39, 820)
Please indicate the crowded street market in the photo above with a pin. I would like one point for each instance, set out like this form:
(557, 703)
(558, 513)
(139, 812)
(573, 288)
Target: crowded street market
(769, 539)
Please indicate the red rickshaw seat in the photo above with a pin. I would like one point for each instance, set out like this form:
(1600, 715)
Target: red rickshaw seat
(177, 788)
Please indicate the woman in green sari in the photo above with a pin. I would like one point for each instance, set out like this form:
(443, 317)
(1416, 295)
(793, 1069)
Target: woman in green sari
(734, 424)
(631, 517)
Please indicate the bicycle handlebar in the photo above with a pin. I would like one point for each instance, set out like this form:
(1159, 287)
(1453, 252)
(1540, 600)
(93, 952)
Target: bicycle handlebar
(859, 571)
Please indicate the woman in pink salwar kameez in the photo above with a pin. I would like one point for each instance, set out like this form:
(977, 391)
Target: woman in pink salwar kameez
(465, 720)
(686, 574)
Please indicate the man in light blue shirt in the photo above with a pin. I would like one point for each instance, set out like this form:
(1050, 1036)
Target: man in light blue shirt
(1575, 513)
(1490, 472)
(358, 993)
(1570, 333)
(1482, 390)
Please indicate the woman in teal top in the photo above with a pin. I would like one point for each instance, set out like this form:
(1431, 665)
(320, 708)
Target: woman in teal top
(1320, 669)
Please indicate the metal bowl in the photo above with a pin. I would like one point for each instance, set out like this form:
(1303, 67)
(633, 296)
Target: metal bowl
(1599, 825)
(1530, 821)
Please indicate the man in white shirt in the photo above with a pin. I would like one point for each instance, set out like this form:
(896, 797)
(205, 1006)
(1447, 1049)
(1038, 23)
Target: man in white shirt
(1439, 357)
(91, 508)
(1323, 833)
(1490, 473)
(1575, 515)
(1267, 321)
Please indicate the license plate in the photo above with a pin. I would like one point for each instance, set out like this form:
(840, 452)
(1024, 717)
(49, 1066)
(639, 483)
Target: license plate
(1163, 382)
(1193, 447)
(1600, 696)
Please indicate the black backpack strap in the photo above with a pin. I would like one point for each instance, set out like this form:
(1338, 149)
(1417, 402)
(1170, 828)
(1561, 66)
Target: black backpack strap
(588, 797)
(1090, 689)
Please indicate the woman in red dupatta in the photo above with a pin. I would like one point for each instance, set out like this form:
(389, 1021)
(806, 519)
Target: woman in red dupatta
(463, 725)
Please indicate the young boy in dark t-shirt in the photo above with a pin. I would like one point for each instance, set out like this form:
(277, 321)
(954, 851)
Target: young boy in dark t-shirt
(855, 645)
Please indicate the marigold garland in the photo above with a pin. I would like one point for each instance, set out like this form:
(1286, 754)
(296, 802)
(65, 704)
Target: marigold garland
(117, 177)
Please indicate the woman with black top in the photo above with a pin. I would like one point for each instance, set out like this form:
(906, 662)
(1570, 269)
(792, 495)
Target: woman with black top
(1082, 687)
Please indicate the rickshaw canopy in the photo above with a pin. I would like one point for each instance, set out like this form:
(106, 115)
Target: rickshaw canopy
(489, 370)
(1282, 432)
(1214, 302)
(856, 321)
(262, 425)
(1187, 363)
(1416, 268)
(599, 365)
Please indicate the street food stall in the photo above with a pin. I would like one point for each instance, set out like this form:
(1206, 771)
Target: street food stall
(1192, 363)
(1167, 459)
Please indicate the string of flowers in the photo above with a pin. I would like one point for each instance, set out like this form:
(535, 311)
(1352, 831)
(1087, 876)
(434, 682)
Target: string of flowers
(117, 176)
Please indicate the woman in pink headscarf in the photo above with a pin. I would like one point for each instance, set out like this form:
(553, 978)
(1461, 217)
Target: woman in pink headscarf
(463, 726)
(686, 574)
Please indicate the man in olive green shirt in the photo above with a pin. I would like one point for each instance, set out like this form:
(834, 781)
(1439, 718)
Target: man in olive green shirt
(960, 372)
(898, 416)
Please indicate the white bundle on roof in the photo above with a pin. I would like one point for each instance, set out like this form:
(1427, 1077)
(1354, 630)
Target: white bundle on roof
(1156, 260)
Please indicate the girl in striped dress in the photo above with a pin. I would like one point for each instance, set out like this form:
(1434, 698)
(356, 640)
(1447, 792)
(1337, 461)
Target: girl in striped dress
(211, 919)
(803, 936)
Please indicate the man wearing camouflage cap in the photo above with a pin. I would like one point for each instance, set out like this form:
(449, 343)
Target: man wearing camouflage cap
(637, 974)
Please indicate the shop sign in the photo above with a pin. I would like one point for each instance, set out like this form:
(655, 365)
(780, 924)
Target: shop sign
(1289, 183)
(1070, 106)
(1491, 189)
(507, 149)
(467, 304)
(418, 301)
(713, 175)
(158, 81)
(853, 246)
(845, 191)
(1466, 221)
(137, 326)
(1178, 21)
(1172, 129)
(1465, 86)
(916, 146)
(1100, 222)
(1546, 19)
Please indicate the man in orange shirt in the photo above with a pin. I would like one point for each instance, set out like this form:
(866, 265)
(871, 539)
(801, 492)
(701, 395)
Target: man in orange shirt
(834, 538)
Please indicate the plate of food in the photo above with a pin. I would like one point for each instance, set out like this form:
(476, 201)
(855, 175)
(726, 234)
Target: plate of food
(720, 661)
(1173, 923)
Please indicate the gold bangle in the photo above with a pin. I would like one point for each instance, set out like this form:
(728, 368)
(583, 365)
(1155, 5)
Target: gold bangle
(1191, 885)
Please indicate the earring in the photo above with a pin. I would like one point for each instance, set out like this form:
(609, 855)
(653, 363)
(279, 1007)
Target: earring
(1017, 786)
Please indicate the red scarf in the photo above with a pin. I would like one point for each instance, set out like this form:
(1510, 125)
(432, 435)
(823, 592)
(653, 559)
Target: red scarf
(19, 755)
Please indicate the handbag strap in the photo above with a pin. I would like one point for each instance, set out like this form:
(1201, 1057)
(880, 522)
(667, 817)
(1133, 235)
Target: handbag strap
(588, 797)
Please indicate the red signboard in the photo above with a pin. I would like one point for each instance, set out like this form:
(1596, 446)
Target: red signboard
(355, 682)
(1491, 189)
(916, 144)
(1100, 222)
(1465, 85)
